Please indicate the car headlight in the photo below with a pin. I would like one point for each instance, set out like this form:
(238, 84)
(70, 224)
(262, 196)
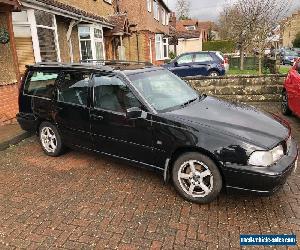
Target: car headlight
(266, 158)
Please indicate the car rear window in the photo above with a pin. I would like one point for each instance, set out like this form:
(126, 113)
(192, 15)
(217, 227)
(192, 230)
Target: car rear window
(40, 84)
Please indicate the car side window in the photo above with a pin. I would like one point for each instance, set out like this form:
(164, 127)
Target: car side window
(73, 88)
(111, 93)
(203, 57)
(41, 83)
(185, 59)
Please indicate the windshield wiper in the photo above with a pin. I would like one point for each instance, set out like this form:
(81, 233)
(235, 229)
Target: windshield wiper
(189, 101)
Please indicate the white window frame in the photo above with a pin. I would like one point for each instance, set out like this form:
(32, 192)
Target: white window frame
(93, 40)
(107, 1)
(159, 45)
(167, 18)
(149, 5)
(156, 10)
(163, 16)
(31, 21)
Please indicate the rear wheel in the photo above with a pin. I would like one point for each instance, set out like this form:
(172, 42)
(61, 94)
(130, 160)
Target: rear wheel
(50, 139)
(196, 178)
(285, 104)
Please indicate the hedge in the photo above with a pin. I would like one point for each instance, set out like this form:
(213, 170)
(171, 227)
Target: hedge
(220, 45)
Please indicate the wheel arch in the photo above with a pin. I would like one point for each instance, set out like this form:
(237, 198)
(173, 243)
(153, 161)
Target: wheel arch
(188, 149)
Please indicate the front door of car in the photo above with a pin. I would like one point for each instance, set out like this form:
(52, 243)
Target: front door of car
(72, 108)
(183, 66)
(113, 132)
(201, 64)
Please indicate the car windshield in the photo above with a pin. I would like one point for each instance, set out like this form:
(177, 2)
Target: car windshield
(163, 90)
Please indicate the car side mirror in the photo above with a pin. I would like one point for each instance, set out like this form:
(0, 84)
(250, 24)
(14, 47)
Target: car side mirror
(298, 67)
(134, 113)
(176, 64)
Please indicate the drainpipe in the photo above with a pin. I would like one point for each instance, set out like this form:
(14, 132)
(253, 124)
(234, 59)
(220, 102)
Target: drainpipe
(73, 23)
(137, 46)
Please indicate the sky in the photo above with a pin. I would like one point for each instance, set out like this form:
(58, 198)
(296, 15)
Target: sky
(209, 9)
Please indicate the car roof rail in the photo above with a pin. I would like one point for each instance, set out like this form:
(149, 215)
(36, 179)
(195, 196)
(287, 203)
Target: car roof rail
(116, 62)
(72, 65)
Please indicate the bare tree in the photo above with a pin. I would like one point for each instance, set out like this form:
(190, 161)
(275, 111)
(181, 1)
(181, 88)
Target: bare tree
(250, 23)
(183, 8)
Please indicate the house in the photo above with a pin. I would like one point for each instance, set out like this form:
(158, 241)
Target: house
(290, 27)
(149, 23)
(186, 35)
(9, 73)
(48, 31)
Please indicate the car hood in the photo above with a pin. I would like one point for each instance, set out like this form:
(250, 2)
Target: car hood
(238, 120)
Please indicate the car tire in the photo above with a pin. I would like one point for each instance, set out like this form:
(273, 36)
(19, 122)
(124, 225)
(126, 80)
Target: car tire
(214, 73)
(196, 178)
(285, 104)
(50, 139)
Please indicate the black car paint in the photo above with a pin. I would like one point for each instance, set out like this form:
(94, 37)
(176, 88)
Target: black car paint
(226, 132)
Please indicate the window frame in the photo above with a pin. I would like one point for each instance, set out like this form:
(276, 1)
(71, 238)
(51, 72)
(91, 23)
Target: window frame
(29, 76)
(156, 10)
(93, 40)
(149, 5)
(31, 22)
(59, 81)
(163, 16)
(159, 44)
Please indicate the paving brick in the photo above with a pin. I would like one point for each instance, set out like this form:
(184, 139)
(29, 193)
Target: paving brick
(75, 202)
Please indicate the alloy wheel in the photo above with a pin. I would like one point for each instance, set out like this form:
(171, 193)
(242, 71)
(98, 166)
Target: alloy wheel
(48, 139)
(195, 178)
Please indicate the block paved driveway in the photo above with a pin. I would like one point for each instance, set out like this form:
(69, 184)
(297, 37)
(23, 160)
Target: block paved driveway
(85, 201)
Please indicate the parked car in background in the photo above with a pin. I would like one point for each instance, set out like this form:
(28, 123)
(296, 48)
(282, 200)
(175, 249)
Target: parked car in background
(291, 91)
(297, 50)
(289, 57)
(197, 63)
(152, 118)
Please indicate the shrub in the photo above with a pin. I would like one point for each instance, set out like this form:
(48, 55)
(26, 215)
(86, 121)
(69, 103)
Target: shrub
(219, 45)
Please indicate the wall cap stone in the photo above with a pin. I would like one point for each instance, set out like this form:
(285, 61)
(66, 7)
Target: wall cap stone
(233, 77)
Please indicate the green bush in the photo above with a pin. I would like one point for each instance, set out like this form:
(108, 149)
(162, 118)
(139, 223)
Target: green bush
(220, 45)
(296, 42)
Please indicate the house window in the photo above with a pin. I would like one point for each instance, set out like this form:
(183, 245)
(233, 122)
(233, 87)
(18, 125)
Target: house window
(167, 18)
(149, 5)
(156, 10)
(161, 47)
(36, 37)
(163, 16)
(91, 42)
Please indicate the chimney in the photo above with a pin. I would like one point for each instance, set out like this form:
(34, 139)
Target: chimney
(173, 19)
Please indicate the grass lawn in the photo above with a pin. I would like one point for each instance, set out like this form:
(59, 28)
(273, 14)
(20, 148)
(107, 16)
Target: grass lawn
(282, 70)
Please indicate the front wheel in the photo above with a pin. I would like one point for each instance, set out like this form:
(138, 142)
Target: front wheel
(285, 104)
(196, 178)
(213, 74)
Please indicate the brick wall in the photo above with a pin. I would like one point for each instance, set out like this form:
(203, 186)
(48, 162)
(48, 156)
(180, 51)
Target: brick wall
(241, 88)
(97, 7)
(8, 103)
(62, 29)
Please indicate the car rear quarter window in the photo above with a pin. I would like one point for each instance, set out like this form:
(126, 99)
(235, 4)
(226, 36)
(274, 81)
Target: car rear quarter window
(203, 57)
(40, 84)
(73, 87)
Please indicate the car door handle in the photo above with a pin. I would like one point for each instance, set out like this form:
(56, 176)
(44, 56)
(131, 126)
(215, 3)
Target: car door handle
(97, 117)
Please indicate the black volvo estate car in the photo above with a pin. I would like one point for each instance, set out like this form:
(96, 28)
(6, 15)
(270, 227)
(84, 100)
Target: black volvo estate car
(150, 117)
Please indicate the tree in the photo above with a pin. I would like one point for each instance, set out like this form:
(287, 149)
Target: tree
(183, 8)
(296, 42)
(250, 23)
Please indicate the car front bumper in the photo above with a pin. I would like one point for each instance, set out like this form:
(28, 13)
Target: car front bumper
(261, 180)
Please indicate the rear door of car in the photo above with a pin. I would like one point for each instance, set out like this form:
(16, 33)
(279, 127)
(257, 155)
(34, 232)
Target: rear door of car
(183, 65)
(113, 132)
(202, 63)
(72, 112)
(37, 99)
